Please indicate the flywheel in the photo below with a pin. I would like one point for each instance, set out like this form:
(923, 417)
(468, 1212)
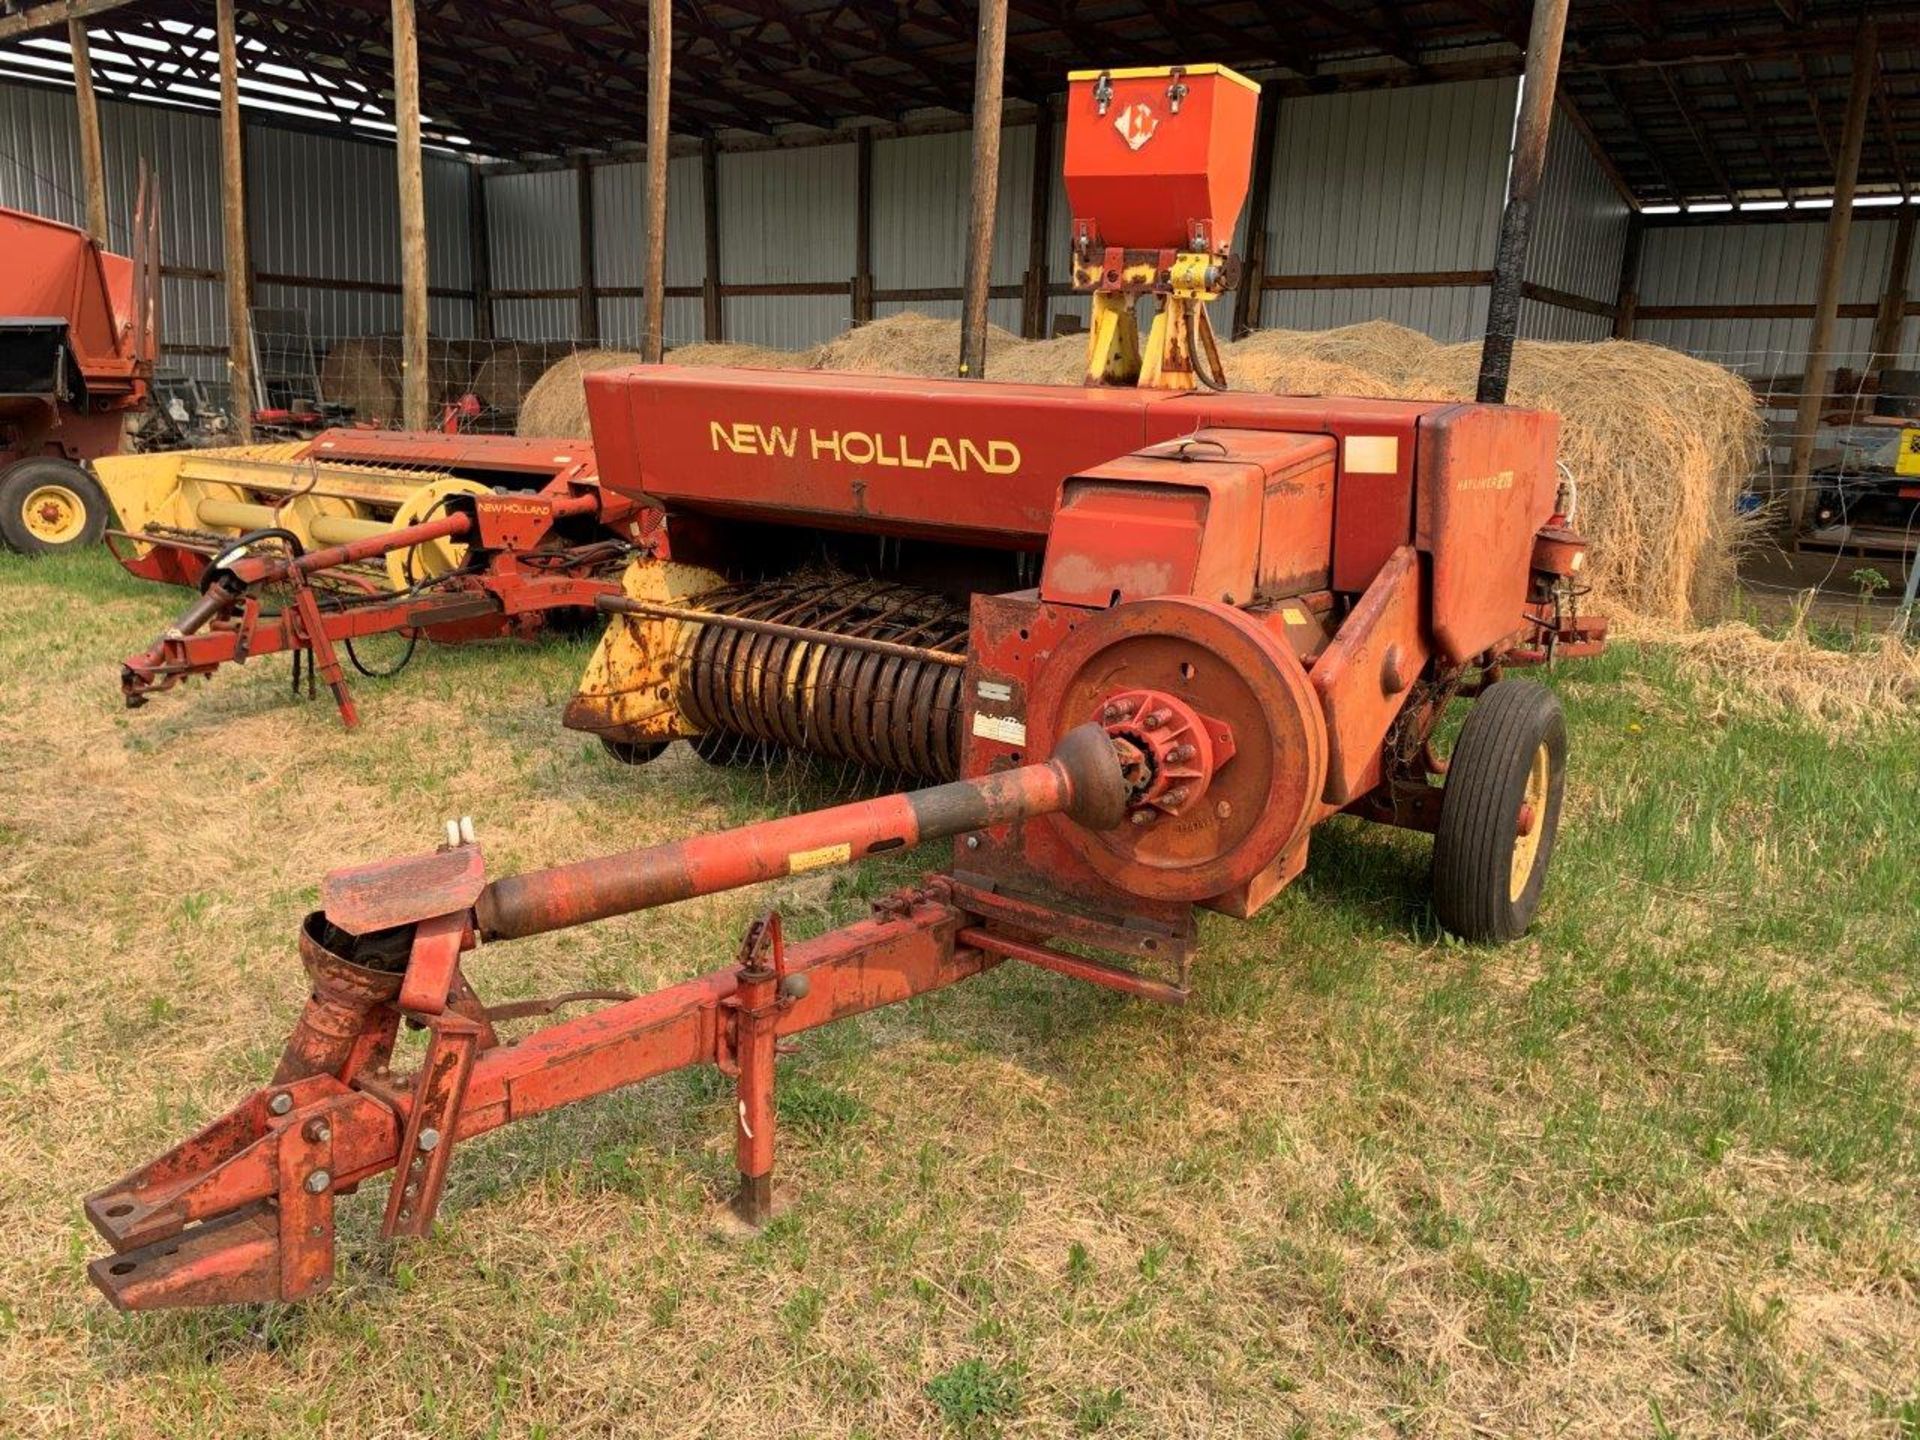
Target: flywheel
(1220, 734)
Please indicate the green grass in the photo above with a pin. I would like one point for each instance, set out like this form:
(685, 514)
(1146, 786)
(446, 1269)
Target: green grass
(1650, 1171)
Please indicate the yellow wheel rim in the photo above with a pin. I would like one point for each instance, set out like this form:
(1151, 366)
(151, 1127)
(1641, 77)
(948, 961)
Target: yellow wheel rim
(1531, 822)
(434, 558)
(54, 514)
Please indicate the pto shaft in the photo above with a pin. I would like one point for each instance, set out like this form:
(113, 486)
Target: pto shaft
(1082, 779)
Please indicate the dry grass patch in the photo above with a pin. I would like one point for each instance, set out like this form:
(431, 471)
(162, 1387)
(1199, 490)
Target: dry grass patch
(1368, 1183)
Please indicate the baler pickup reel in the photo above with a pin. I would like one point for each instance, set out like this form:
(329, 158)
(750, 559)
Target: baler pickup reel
(244, 1211)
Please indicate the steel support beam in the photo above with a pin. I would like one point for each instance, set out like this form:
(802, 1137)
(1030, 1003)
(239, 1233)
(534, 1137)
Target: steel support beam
(480, 252)
(1626, 303)
(863, 226)
(1246, 303)
(1034, 297)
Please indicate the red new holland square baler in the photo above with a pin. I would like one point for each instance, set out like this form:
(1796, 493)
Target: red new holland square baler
(1137, 639)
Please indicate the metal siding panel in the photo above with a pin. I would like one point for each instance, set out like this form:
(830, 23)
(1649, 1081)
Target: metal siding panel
(1388, 181)
(1769, 264)
(619, 224)
(1580, 231)
(787, 215)
(40, 164)
(788, 322)
(533, 231)
(920, 189)
(317, 206)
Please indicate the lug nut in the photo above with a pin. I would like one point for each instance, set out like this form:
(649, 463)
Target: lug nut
(1176, 797)
(317, 1131)
(318, 1181)
(281, 1103)
(1143, 817)
(1156, 720)
(1223, 809)
(428, 1139)
(1180, 754)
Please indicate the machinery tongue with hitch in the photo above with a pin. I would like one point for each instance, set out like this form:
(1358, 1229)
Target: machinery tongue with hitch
(1158, 635)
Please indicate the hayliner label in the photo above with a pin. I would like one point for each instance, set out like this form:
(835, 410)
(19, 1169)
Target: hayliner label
(866, 447)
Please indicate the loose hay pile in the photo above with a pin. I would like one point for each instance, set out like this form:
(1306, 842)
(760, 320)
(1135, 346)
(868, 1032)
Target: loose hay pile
(1751, 673)
(750, 357)
(1660, 445)
(1387, 353)
(910, 344)
(1278, 373)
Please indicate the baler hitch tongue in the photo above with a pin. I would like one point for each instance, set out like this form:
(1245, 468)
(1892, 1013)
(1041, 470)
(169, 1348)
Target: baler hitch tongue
(243, 1211)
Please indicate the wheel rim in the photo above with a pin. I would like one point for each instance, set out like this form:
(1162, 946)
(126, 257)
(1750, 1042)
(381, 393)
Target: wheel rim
(54, 514)
(1530, 823)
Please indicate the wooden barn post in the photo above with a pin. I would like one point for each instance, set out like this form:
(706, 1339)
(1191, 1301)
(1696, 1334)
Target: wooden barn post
(659, 161)
(989, 74)
(1516, 224)
(233, 228)
(1816, 373)
(413, 218)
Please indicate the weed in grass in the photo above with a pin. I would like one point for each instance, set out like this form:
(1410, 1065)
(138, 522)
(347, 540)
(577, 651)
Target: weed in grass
(1097, 1409)
(975, 1392)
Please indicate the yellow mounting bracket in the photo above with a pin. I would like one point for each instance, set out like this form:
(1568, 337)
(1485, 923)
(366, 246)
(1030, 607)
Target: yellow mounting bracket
(1115, 355)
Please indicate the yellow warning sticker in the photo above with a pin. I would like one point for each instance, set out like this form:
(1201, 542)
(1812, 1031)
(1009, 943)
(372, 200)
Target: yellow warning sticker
(1908, 460)
(816, 859)
(1293, 615)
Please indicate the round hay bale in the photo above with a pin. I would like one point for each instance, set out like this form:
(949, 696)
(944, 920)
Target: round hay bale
(505, 376)
(1378, 347)
(1660, 445)
(556, 405)
(362, 372)
(908, 344)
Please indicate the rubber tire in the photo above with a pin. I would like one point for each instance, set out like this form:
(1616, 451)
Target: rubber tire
(634, 752)
(23, 478)
(1480, 807)
(722, 747)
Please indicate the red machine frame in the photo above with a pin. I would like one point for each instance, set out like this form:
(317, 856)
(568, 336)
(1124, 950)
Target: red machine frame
(1250, 613)
(530, 552)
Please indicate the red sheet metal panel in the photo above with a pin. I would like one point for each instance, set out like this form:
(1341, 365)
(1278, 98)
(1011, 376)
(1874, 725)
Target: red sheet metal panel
(1487, 483)
(961, 459)
(1157, 152)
